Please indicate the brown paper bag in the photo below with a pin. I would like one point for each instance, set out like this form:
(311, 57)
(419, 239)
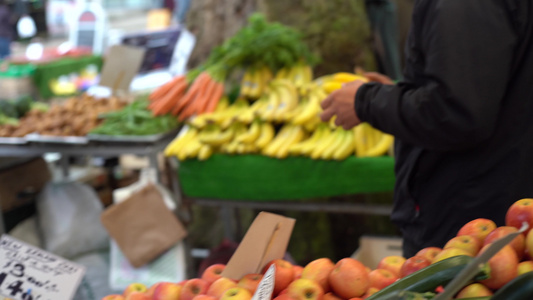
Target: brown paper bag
(142, 226)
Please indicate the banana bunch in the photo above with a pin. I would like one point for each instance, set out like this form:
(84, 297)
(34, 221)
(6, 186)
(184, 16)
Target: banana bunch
(288, 135)
(326, 143)
(333, 82)
(224, 114)
(307, 113)
(370, 142)
(255, 81)
(281, 99)
(300, 75)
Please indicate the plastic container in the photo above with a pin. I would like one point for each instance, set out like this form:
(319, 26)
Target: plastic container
(16, 81)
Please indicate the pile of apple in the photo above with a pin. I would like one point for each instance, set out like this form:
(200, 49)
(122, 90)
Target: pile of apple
(323, 279)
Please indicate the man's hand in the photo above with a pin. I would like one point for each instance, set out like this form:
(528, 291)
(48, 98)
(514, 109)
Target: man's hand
(341, 103)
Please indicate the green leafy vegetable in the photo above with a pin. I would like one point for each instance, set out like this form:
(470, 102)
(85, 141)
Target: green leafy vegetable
(135, 119)
(258, 43)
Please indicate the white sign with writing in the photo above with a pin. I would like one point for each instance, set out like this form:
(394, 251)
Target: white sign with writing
(30, 273)
(266, 286)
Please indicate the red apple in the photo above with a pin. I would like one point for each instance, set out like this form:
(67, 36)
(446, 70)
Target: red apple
(380, 278)
(479, 228)
(318, 270)
(236, 293)
(167, 291)
(503, 267)
(529, 244)
(213, 272)
(524, 267)
(469, 243)
(450, 252)
(392, 263)
(413, 264)
(134, 287)
(371, 291)
(113, 297)
(429, 252)
(349, 278)
(474, 290)
(297, 272)
(217, 288)
(202, 297)
(284, 296)
(518, 243)
(283, 275)
(305, 289)
(138, 296)
(331, 296)
(250, 282)
(521, 211)
(192, 288)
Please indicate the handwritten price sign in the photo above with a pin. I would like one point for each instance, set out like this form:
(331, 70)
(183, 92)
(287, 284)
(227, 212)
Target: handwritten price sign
(30, 273)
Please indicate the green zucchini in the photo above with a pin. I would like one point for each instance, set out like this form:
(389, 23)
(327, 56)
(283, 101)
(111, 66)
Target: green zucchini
(429, 278)
(520, 288)
(407, 295)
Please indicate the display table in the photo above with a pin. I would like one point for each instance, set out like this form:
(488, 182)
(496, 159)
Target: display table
(102, 149)
(294, 183)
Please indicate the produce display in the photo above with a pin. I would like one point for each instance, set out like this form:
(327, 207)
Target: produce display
(135, 119)
(74, 117)
(278, 116)
(508, 275)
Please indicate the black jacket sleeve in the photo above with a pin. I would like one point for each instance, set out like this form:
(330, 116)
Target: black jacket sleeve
(451, 96)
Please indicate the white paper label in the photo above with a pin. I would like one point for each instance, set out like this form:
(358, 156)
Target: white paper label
(30, 273)
(266, 286)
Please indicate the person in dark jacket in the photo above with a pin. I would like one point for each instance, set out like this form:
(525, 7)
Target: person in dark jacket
(462, 116)
(6, 30)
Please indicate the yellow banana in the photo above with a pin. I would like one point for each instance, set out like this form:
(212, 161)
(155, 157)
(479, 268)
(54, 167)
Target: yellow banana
(205, 152)
(331, 86)
(288, 96)
(296, 135)
(284, 133)
(334, 145)
(217, 137)
(381, 147)
(246, 83)
(268, 112)
(251, 135)
(311, 110)
(312, 143)
(348, 77)
(322, 144)
(266, 136)
(190, 150)
(283, 73)
(346, 148)
(256, 84)
(180, 141)
(250, 113)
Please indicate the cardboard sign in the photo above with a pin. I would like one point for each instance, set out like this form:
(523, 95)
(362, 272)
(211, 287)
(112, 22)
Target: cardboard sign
(266, 286)
(266, 239)
(158, 19)
(30, 273)
(121, 64)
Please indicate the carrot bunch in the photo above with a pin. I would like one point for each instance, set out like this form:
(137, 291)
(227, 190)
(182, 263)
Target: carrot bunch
(181, 99)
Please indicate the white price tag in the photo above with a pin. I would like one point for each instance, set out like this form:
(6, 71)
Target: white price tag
(266, 286)
(30, 273)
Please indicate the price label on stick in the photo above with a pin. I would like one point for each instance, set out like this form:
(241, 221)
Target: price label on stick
(266, 286)
(30, 273)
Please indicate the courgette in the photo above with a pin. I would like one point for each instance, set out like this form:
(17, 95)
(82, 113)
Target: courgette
(520, 288)
(429, 278)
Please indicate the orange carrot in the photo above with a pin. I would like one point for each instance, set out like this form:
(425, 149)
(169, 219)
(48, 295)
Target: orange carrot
(215, 97)
(191, 94)
(196, 105)
(165, 88)
(167, 102)
(205, 96)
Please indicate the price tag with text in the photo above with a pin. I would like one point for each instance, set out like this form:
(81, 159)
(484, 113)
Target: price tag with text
(266, 286)
(30, 273)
